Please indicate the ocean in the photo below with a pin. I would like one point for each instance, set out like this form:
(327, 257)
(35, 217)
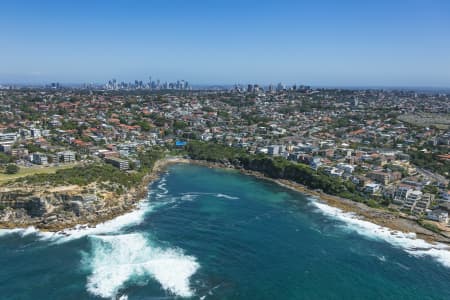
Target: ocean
(217, 234)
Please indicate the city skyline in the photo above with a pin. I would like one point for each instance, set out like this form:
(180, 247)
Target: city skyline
(349, 44)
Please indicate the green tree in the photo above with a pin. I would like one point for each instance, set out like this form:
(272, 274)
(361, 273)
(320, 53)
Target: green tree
(5, 158)
(11, 169)
(145, 126)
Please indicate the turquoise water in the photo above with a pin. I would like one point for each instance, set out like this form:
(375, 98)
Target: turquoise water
(216, 234)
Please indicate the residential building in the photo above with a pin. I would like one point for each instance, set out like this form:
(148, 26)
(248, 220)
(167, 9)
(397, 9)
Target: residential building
(39, 158)
(122, 164)
(411, 200)
(438, 215)
(66, 156)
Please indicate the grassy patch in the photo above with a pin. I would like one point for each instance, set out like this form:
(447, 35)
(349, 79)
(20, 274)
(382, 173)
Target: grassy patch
(24, 171)
(429, 226)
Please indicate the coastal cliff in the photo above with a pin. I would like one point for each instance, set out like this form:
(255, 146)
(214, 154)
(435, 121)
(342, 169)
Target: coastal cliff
(59, 207)
(65, 206)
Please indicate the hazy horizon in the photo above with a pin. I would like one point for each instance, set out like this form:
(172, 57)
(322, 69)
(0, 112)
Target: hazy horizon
(243, 84)
(320, 43)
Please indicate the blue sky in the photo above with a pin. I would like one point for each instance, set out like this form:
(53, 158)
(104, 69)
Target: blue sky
(329, 43)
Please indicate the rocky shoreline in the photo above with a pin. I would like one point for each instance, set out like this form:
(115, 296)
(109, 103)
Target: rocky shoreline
(382, 217)
(57, 209)
(128, 202)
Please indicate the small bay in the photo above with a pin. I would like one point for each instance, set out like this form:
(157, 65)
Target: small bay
(217, 234)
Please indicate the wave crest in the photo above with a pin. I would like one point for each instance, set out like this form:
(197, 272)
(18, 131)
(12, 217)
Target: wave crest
(406, 241)
(121, 259)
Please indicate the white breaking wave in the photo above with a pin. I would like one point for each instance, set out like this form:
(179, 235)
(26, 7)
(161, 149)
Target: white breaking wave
(406, 241)
(23, 232)
(162, 186)
(226, 196)
(128, 258)
(129, 219)
(188, 196)
(120, 259)
(161, 189)
(132, 218)
(11, 231)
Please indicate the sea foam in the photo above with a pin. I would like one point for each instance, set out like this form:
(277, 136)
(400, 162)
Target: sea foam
(29, 231)
(116, 260)
(129, 219)
(193, 195)
(226, 196)
(115, 225)
(129, 258)
(406, 241)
